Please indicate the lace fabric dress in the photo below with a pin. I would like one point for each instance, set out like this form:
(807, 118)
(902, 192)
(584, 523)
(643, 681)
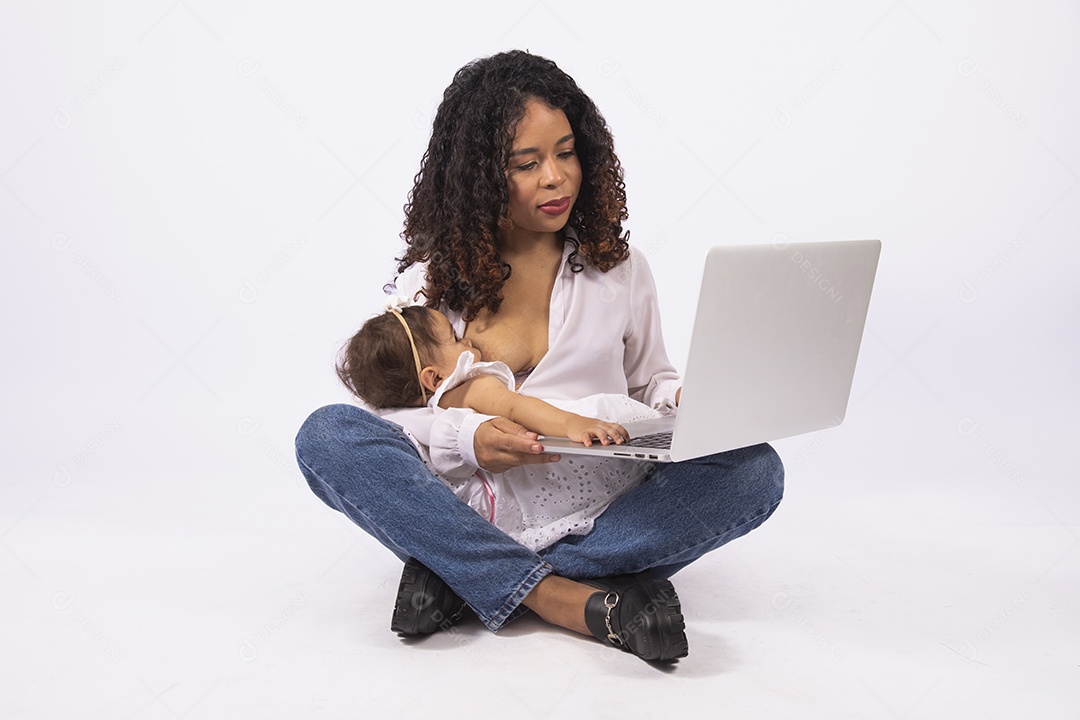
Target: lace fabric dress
(537, 505)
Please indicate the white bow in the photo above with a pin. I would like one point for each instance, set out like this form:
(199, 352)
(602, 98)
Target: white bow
(397, 302)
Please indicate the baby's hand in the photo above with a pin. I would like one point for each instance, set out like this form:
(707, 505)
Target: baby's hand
(584, 429)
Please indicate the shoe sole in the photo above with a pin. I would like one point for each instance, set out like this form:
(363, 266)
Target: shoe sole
(415, 595)
(673, 643)
(406, 619)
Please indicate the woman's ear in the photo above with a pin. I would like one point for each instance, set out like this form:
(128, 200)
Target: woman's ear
(430, 378)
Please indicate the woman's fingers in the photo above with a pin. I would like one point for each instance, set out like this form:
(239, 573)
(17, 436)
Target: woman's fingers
(501, 444)
(510, 427)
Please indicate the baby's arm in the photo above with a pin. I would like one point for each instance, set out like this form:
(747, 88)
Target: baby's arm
(488, 395)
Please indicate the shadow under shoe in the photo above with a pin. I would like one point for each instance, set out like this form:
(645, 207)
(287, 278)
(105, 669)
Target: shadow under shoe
(638, 614)
(424, 604)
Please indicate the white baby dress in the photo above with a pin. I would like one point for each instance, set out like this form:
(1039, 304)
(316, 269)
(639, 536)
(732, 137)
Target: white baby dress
(537, 505)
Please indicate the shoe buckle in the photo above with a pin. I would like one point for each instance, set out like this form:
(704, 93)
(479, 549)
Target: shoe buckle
(610, 601)
(458, 615)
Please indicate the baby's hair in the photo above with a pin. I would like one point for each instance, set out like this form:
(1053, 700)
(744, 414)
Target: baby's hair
(377, 362)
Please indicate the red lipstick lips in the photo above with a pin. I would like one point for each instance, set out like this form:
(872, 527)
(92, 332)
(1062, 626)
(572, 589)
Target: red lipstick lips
(556, 207)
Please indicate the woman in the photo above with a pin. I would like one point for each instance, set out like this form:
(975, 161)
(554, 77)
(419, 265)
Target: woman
(514, 230)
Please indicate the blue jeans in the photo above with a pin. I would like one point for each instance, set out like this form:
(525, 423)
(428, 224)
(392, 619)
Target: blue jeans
(368, 469)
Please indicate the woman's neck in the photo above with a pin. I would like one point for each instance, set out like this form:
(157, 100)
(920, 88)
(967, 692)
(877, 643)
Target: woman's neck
(527, 244)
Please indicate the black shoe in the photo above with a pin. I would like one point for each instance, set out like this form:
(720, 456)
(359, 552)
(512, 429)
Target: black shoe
(424, 604)
(642, 617)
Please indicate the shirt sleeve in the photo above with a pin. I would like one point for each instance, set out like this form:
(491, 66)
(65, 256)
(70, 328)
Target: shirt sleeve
(444, 440)
(467, 368)
(452, 453)
(650, 376)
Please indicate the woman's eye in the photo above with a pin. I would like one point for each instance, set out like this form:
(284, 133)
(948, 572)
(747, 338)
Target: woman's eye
(527, 166)
(567, 153)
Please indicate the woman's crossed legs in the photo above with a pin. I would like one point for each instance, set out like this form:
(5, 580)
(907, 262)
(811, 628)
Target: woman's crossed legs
(367, 468)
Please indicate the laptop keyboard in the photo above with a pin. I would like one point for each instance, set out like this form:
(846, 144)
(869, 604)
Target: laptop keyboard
(656, 440)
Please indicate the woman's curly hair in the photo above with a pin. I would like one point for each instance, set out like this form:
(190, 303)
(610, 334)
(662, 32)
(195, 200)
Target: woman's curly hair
(459, 201)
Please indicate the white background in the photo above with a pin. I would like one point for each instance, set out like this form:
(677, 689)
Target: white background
(200, 202)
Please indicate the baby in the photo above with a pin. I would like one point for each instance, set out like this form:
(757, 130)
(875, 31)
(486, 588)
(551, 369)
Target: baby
(411, 357)
(403, 358)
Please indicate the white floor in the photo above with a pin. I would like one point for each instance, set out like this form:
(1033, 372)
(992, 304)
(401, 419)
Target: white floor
(868, 595)
(200, 201)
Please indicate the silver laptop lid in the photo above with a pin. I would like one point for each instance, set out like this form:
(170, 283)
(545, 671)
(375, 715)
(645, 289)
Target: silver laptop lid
(774, 345)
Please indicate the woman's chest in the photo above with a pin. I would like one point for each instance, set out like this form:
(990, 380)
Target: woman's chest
(518, 334)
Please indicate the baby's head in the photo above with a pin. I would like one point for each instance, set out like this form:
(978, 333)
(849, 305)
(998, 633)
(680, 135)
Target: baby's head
(386, 367)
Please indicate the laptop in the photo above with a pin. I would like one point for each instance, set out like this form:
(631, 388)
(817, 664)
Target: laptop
(776, 336)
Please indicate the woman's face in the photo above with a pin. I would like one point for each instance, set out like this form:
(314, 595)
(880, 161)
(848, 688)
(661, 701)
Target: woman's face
(543, 175)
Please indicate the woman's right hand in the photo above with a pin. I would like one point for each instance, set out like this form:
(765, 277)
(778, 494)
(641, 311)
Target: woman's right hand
(501, 444)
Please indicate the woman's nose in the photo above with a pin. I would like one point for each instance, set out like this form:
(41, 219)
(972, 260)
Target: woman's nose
(553, 175)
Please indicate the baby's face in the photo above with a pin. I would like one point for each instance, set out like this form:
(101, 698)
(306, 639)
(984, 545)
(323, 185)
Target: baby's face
(450, 346)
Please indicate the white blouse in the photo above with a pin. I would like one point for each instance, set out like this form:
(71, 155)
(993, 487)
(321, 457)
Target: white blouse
(537, 505)
(604, 336)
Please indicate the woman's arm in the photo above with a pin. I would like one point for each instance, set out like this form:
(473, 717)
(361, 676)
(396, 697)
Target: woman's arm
(486, 394)
(651, 377)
